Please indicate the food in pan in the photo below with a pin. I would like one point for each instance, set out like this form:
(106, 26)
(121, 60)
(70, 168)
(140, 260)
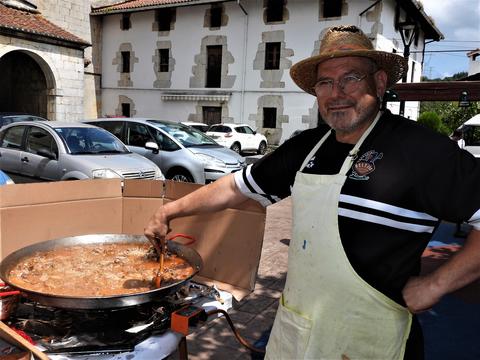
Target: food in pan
(97, 270)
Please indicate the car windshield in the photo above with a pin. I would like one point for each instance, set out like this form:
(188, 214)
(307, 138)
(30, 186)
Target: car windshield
(84, 140)
(186, 135)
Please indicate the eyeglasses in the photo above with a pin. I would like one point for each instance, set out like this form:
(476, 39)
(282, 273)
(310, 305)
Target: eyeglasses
(348, 84)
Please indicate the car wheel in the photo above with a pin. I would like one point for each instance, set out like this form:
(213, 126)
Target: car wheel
(236, 147)
(262, 148)
(180, 175)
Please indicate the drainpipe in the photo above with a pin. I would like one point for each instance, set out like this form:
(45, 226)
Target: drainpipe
(244, 72)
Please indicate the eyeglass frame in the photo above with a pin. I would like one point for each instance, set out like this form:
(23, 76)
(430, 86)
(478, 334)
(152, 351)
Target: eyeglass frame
(341, 86)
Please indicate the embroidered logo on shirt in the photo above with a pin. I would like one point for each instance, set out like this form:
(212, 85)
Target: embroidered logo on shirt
(365, 165)
(311, 163)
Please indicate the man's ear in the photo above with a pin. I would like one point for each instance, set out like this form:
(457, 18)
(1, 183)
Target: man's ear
(381, 82)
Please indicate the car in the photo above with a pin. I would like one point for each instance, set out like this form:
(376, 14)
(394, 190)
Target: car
(238, 137)
(55, 150)
(5, 179)
(468, 135)
(197, 125)
(183, 153)
(9, 117)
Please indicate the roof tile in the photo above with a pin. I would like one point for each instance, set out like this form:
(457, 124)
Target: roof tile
(32, 23)
(136, 4)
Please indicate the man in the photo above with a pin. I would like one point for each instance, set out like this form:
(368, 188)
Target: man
(368, 190)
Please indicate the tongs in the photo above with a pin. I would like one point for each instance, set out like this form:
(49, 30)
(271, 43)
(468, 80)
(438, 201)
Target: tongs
(157, 280)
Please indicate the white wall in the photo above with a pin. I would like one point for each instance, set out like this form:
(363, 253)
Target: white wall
(302, 30)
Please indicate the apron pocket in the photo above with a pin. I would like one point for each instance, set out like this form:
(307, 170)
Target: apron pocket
(290, 335)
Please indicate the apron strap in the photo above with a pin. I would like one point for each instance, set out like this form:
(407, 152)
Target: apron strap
(352, 155)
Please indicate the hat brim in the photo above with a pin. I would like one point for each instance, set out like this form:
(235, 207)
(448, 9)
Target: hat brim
(304, 73)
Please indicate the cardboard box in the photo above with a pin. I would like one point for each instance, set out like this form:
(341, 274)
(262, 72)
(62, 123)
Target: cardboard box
(228, 241)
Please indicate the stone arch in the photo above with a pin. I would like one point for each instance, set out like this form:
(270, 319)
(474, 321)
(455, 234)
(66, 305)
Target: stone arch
(29, 84)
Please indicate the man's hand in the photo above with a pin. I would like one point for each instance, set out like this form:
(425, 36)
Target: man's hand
(420, 294)
(157, 228)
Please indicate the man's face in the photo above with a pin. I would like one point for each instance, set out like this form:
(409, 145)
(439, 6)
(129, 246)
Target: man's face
(352, 103)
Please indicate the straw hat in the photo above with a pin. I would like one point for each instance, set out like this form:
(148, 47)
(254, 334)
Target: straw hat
(342, 41)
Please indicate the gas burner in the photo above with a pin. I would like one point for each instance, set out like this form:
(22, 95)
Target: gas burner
(105, 330)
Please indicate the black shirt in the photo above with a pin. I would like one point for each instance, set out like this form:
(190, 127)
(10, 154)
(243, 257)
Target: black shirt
(405, 179)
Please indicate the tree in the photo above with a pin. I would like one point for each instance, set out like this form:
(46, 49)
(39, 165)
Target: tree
(450, 114)
(431, 120)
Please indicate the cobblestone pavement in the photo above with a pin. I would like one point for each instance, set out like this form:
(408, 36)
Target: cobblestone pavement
(253, 316)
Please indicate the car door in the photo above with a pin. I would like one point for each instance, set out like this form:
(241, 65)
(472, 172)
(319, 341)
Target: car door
(248, 137)
(167, 155)
(40, 158)
(11, 148)
(136, 136)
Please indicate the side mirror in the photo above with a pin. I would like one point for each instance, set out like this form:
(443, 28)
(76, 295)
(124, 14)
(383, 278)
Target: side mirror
(47, 153)
(150, 145)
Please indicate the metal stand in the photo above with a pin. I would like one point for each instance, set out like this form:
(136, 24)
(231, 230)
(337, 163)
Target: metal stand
(182, 349)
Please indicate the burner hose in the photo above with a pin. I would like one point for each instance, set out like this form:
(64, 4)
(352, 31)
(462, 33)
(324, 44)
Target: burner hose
(235, 332)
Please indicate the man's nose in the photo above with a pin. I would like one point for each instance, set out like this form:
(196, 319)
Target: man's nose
(337, 89)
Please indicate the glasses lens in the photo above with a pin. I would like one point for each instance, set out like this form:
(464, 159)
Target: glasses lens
(350, 83)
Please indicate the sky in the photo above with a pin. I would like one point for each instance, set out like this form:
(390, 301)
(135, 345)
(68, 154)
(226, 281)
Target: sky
(459, 22)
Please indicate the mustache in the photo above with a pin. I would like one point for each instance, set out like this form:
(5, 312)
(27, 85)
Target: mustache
(336, 103)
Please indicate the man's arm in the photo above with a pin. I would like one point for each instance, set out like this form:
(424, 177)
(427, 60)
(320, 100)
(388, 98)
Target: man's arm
(215, 196)
(422, 292)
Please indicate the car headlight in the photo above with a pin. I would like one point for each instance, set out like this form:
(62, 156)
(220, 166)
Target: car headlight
(159, 175)
(209, 160)
(105, 174)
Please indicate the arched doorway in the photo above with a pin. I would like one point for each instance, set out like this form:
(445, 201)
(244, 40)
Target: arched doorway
(26, 83)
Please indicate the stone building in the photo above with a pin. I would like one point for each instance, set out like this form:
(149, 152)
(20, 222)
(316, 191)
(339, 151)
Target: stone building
(228, 61)
(45, 59)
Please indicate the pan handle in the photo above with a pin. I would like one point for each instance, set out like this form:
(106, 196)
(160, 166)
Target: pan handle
(185, 236)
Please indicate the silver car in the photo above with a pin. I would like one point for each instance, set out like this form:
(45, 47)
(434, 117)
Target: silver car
(69, 151)
(183, 153)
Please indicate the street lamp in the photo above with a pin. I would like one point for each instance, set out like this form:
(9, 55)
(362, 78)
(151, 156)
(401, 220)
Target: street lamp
(407, 32)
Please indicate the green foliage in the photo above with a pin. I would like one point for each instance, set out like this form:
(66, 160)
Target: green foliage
(450, 114)
(454, 77)
(431, 120)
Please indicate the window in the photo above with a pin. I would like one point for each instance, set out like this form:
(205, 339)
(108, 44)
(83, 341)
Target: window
(125, 61)
(332, 8)
(164, 55)
(214, 66)
(164, 19)
(126, 109)
(215, 16)
(272, 56)
(138, 135)
(125, 22)
(13, 137)
(220, 128)
(274, 10)
(471, 135)
(269, 117)
(114, 127)
(39, 140)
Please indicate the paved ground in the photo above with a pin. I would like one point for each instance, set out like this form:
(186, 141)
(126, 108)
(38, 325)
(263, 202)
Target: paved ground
(254, 315)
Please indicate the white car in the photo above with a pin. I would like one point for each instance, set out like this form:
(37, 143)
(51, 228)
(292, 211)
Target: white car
(470, 135)
(238, 137)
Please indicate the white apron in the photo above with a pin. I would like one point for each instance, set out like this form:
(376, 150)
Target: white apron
(327, 311)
